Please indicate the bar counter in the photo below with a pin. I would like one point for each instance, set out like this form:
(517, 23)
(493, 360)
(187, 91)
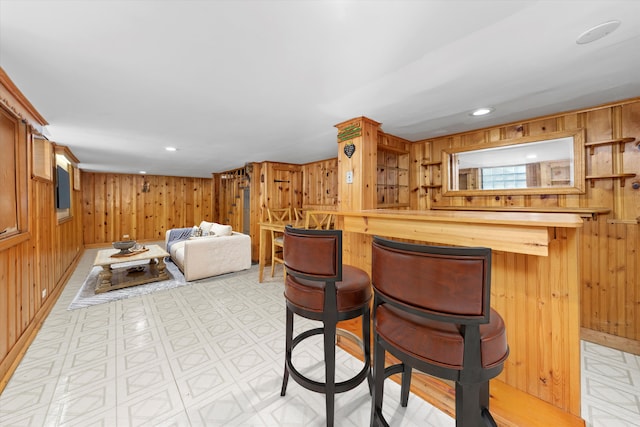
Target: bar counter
(535, 287)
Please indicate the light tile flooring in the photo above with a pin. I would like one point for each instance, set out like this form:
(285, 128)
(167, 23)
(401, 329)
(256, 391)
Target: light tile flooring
(211, 354)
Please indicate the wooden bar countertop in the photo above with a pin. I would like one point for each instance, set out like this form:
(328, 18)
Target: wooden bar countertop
(517, 232)
(539, 219)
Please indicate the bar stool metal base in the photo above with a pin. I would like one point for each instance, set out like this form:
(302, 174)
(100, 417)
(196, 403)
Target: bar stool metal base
(329, 332)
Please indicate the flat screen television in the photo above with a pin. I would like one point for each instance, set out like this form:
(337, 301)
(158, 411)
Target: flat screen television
(63, 189)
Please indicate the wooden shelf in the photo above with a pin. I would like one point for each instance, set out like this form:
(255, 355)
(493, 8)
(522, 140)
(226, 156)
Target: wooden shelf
(621, 176)
(428, 186)
(426, 164)
(392, 181)
(620, 141)
(591, 213)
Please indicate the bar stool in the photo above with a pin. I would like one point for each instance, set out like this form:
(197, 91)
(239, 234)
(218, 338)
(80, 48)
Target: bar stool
(319, 287)
(431, 310)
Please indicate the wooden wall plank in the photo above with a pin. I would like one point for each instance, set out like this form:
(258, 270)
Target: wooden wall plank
(610, 299)
(4, 306)
(121, 207)
(40, 256)
(630, 127)
(320, 183)
(632, 282)
(40, 263)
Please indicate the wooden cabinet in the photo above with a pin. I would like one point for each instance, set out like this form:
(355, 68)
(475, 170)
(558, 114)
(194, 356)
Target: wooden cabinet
(392, 184)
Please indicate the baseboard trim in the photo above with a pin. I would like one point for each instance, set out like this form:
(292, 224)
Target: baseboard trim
(619, 343)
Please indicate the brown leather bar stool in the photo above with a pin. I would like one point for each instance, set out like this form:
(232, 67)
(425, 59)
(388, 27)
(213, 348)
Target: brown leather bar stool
(431, 310)
(319, 287)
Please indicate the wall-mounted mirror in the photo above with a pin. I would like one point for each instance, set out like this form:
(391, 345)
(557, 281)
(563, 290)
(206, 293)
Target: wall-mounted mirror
(549, 164)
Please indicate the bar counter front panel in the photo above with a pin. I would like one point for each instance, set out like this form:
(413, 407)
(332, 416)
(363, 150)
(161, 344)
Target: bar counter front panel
(535, 284)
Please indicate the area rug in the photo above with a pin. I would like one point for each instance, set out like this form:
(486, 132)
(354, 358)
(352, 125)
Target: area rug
(87, 297)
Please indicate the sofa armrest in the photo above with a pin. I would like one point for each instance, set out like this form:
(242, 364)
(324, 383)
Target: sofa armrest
(211, 255)
(180, 232)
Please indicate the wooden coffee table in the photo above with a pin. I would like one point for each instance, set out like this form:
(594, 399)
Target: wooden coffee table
(111, 278)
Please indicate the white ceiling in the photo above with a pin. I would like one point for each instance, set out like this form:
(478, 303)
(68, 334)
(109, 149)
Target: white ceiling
(230, 82)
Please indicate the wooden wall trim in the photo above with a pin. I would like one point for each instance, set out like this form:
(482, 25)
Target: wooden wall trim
(13, 98)
(608, 340)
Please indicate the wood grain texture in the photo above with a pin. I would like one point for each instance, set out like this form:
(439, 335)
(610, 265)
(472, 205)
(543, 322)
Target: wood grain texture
(115, 205)
(538, 294)
(609, 256)
(42, 263)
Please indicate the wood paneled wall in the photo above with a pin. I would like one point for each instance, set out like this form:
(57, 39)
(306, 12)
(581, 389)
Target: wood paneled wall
(229, 204)
(610, 294)
(43, 262)
(320, 183)
(280, 186)
(610, 301)
(35, 264)
(115, 204)
(311, 185)
(229, 197)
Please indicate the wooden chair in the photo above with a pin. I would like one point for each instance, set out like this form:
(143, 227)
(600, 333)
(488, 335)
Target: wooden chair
(432, 311)
(318, 221)
(277, 215)
(319, 287)
(299, 214)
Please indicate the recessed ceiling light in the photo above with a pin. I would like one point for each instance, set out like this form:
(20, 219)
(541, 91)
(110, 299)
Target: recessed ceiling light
(171, 149)
(143, 172)
(597, 32)
(482, 111)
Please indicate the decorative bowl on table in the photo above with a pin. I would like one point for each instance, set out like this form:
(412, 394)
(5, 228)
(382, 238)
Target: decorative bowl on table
(124, 246)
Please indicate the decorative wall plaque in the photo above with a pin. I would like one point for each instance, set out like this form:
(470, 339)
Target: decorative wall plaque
(349, 149)
(350, 132)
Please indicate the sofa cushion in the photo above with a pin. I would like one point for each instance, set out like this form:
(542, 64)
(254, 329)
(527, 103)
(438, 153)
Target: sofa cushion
(213, 255)
(210, 236)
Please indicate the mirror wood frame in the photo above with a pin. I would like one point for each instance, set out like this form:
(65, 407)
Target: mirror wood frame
(578, 186)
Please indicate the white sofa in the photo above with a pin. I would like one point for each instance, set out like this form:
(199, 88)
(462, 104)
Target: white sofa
(211, 255)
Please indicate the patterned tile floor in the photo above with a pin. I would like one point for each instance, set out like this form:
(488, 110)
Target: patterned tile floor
(211, 354)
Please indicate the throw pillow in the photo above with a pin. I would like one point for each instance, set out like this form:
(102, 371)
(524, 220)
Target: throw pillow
(206, 227)
(196, 231)
(221, 230)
